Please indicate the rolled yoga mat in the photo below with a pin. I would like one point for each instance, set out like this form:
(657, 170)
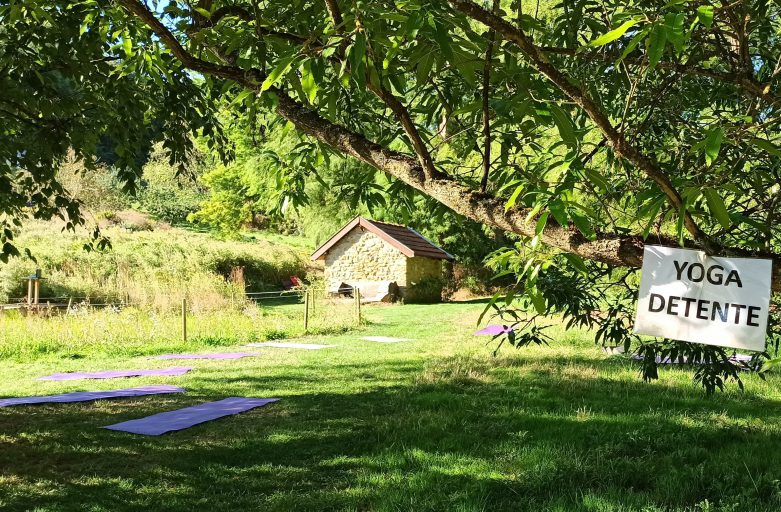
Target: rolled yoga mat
(219, 355)
(385, 339)
(303, 346)
(184, 418)
(115, 374)
(86, 396)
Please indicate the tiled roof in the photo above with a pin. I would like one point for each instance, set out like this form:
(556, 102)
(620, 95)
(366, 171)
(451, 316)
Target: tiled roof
(408, 241)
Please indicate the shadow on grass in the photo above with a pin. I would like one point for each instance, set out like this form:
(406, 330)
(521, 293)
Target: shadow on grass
(406, 436)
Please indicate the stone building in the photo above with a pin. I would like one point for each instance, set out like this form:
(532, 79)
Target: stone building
(383, 260)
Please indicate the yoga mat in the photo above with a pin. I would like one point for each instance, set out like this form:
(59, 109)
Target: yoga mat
(221, 355)
(184, 418)
(114, 374)
(385, 339)
(86, 396)
(304, 346)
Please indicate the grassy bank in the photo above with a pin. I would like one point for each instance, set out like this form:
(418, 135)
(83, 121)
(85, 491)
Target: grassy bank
(429, 425)
(151, 269)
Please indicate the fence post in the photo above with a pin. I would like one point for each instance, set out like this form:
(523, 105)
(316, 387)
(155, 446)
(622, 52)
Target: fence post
(306, 310)
(184, 320)
(358, 305)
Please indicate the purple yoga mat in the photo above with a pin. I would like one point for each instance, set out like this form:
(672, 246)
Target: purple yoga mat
(184, 418)
(86, 396)
(221, 355)
(494, 330)
(114, 374)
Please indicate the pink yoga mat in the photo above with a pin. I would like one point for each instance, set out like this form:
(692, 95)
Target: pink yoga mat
(184, 418)
(114, 374)
(86, 396)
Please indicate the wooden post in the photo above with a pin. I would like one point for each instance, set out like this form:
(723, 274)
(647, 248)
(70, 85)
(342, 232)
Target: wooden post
(306, 310)
(29, 291)
(358, 304)
(37, 290)
(184, 320)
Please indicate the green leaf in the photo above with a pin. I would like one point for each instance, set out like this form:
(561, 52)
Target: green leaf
(241, 97)
(633, 43)
(282, 67)
(513, 197)
(541, 223)
(538, 301)
(127, 44)
(717, 207)
(583, 224)
(596, 178)
(613, 34)
(713, 144)
(423, 69)
(565, 125)
(705, 15)
(656, 44)
(88, 19)
(577, 262)
(308, 83)
(203, 12)
(559, 213)
(768, 146)
(673, 25)
(357, 63)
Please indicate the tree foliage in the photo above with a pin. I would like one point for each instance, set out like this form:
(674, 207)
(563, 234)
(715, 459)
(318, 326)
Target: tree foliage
(586, 127)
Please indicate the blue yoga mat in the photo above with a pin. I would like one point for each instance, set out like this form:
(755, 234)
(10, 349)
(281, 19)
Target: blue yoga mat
(86, 396)
(184, 418)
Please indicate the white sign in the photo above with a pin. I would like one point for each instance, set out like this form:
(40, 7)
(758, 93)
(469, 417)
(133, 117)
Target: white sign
(690, 296)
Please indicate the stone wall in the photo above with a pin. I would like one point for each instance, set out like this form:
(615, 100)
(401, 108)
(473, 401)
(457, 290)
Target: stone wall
(424, 280)
(419, 269)
(363, 256)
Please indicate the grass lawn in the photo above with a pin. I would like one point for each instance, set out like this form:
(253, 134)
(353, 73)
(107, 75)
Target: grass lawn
(435, 424)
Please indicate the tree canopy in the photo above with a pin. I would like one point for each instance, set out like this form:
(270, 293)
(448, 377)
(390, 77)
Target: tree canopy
(588, 128)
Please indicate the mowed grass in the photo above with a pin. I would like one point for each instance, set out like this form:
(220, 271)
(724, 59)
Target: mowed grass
(435, 424)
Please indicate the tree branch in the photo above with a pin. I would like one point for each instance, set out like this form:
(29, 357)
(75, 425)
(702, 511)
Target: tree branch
(621, 147)
(486, 106)
(200, 22)
(612, 249)
(393, 103)
(747, 84)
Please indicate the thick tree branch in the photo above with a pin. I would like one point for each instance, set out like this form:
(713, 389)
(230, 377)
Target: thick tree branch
(621, 147)
(612, 249)
(393, 103)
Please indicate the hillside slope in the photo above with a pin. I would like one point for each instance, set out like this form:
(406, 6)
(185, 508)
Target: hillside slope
(154, 267)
